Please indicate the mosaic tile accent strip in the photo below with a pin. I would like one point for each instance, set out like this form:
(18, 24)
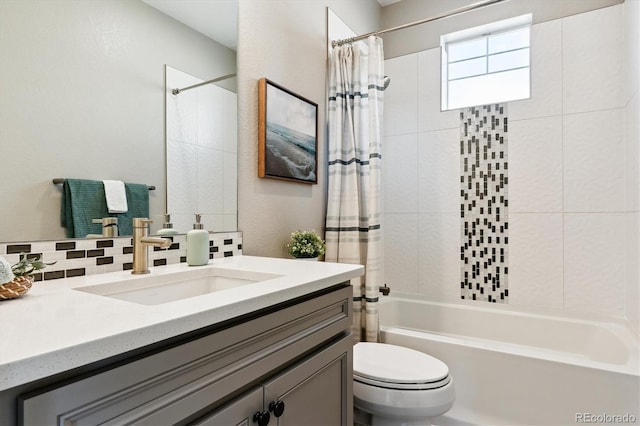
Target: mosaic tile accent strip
(97, 256)
(484, 203)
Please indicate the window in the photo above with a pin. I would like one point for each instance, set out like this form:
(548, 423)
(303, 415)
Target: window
(486, 64)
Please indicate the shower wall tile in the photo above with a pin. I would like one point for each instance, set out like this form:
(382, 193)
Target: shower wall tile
(592, 62)
(594, 263)
(400, 246)
(400, 175)
(439, 171)
(230, 122)
(230, 168)
(211, 116)
(594, 161)
(400, 98)
(183, 175)
(631, 11)
(439, 254)
(546, 74)
(430, 116)
(632, 270)
(535, 165)
(535, 260)
(182, 108)
(210, 181)
(632, 154)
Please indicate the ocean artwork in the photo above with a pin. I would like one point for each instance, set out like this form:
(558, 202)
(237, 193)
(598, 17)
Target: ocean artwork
(288, 146)
(290, 154)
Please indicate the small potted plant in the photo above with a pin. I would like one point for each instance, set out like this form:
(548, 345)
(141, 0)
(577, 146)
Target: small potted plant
(306, 245)
(16, 280)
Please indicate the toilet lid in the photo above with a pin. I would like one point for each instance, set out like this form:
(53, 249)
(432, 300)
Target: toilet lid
(396, 364)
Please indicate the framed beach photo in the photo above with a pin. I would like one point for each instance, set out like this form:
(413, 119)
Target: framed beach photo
(288, 134)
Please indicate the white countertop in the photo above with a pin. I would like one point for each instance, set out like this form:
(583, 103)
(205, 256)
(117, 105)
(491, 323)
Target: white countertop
(54, 328)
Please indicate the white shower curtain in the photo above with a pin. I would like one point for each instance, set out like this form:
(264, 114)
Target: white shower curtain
(353, 232)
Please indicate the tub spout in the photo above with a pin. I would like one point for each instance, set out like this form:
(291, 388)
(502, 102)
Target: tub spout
(384, 290)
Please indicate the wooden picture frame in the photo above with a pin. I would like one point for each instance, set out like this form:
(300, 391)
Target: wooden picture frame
(288, 134)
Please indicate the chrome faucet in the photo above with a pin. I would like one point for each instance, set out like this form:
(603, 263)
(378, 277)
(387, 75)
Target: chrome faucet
(141, 242)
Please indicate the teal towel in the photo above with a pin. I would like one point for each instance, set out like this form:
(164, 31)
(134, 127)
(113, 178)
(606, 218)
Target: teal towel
(138, 204)
(82, 201)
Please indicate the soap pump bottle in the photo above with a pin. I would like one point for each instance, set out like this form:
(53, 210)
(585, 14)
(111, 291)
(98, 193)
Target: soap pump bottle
(197, 244)
(167, 226)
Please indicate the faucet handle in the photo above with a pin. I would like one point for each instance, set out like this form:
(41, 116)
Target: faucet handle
(141, 222)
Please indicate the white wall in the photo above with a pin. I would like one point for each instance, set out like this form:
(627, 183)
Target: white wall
(284, 41)
(82, 86)
(567, 174)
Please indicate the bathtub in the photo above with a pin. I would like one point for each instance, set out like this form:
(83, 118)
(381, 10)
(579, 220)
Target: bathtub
(522, 368)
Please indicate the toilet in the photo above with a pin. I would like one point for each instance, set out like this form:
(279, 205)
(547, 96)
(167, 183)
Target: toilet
(399, 386)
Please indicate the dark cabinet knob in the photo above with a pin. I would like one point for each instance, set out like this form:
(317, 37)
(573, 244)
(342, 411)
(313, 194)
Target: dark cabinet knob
(262, 418)
(277, 407)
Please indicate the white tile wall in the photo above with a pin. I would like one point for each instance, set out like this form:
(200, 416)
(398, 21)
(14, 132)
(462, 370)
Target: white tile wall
(439, 171)
(632, 164)
(592, 63)
(632, 154)
(430, 116)
(594, 256)
(535, 260)
(400, 98)
(535, 165)
(400, 175)
(400, 248)
(439, 254)
(594, 161)
(546, 74)
(573, 171)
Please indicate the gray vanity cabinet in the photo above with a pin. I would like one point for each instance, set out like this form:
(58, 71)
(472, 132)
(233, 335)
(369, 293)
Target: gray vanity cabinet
(293, 361)
(315, 391)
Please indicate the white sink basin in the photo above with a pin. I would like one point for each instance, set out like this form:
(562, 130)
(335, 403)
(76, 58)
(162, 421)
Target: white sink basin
(169, 287)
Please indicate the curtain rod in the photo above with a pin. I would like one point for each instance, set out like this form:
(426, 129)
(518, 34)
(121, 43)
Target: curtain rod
(457, 11)
(224, 77)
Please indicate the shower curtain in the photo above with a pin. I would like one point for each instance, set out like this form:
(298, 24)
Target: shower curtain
(353, 232)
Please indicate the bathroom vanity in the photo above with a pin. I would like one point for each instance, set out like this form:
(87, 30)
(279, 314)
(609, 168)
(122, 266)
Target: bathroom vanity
(274, 350)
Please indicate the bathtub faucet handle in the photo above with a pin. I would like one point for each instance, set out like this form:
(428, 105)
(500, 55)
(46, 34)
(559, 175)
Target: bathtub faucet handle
(384, 290)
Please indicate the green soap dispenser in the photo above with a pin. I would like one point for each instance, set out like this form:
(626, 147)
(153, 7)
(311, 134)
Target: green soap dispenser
(167, 226)
(197, 244)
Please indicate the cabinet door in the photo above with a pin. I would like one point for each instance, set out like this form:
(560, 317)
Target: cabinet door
(238, 413)
(317, 391)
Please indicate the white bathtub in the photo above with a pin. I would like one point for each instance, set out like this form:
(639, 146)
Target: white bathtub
(515, 368)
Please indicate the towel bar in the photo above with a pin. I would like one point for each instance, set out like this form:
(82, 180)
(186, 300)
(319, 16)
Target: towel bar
(60, 181)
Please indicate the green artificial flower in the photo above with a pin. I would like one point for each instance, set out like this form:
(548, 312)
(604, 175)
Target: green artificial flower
(306, 244)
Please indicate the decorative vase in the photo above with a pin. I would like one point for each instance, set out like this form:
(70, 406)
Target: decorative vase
(16, 287)
(307, 258)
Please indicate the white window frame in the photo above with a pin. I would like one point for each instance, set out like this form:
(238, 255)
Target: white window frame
(477, 33)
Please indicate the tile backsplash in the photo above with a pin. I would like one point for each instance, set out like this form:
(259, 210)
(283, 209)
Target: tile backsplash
(97, 256)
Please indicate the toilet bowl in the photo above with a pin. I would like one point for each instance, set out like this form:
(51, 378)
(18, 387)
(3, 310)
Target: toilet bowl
(400, 386)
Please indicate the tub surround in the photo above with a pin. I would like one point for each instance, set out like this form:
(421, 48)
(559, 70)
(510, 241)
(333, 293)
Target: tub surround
(55, 328)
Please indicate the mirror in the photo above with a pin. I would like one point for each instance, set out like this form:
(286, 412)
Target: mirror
(83, 96)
